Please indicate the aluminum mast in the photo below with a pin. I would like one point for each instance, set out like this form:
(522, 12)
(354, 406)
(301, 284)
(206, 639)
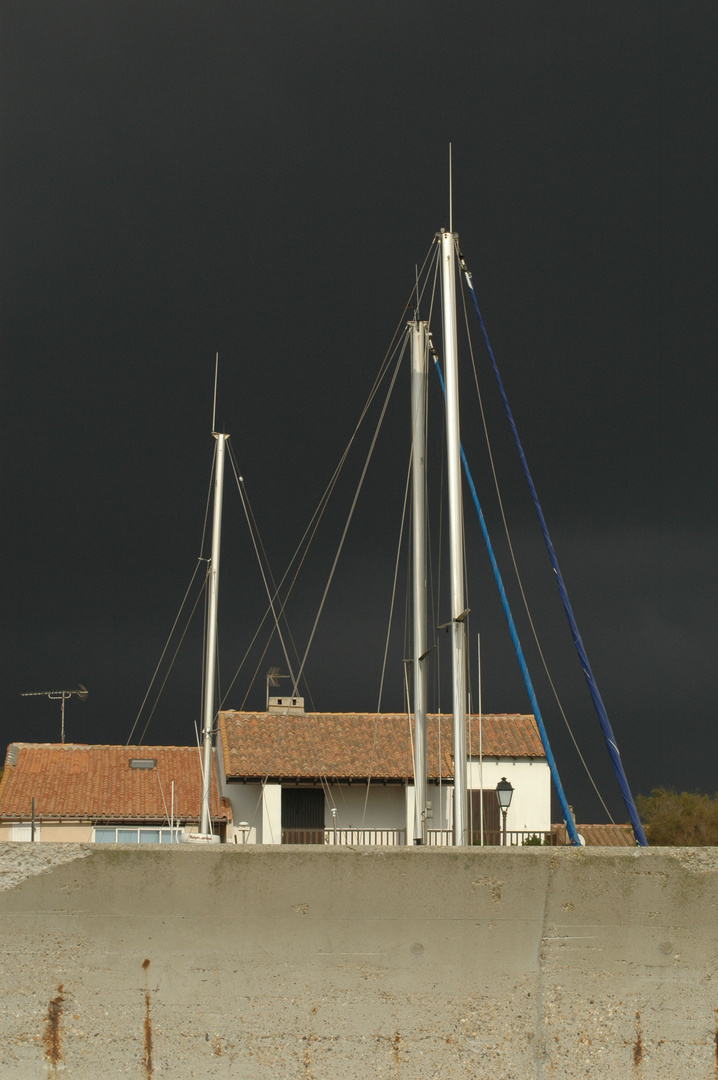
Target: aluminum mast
(419, 378)
(456, 533)
(205, 826)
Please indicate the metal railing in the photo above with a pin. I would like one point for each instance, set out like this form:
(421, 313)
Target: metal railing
(356, 837)
(493, 838)
(368, 837)
(397, 837)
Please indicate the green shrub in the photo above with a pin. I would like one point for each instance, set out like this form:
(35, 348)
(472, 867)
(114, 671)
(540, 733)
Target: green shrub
(680, 819)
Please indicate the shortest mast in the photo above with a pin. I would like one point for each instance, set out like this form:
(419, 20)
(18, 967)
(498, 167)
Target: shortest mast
(205, 827)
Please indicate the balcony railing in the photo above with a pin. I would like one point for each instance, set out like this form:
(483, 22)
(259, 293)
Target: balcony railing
(493, 838)
(356, 837)
(397, 837)
(368, 837)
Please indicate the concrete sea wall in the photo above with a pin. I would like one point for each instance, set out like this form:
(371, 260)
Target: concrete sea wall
(322, 964)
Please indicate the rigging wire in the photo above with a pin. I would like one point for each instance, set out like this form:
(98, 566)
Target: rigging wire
(568, 817)
(307, 538)
(514, 562)
(200, 559)
(352, 509)
(388, 635)
(274, 595)
(174, 657)
(253, 536)
(394, 584)
(162, 656)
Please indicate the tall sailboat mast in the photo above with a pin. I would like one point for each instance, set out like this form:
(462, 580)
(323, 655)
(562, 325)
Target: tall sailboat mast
(456, 532)
(419, 377)
(205, 826)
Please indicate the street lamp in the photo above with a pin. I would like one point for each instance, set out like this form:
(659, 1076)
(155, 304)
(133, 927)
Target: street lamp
(504, 791)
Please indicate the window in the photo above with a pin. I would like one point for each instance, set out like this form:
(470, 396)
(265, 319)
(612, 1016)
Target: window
(105, 836)
(122, 835)
(24, 832)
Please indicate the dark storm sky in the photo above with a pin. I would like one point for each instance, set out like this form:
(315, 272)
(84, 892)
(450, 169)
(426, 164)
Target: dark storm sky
(262, 179)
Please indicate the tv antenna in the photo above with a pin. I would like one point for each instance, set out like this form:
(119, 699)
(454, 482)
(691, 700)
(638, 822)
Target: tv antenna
(61, 696)
(273, 678)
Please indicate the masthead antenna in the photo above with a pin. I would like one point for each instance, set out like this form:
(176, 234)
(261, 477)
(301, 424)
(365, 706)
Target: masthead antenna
(451, 197)
(214, 403)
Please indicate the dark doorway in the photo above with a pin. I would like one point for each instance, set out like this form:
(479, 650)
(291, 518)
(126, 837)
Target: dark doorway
(492, 824)
(303, 815)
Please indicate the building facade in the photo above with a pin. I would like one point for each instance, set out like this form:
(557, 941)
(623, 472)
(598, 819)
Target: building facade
(296, 777)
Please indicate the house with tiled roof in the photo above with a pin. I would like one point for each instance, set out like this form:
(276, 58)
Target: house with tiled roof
(105, 794)
(292, 776)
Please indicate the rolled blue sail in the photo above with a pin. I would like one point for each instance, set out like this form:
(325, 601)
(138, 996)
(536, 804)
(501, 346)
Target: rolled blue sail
(610, 740)
(567, 815)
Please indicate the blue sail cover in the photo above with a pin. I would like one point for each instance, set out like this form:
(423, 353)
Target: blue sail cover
(600, 708)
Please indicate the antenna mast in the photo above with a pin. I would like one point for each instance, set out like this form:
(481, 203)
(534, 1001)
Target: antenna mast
(214, 402)
(61, 696)
(451, 195)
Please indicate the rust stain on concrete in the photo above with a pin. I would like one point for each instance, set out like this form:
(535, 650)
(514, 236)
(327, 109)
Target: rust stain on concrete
(638, 1045)
(147, 1056)
(51, 1038)
(396, 1052)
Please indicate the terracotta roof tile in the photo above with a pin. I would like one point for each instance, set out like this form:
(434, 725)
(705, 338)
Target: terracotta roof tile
(357, 745)
(69, 780)
(598, 835)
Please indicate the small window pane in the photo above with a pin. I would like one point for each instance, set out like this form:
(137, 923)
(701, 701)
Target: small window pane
(105, 836)
(149, 836)
(127, 836)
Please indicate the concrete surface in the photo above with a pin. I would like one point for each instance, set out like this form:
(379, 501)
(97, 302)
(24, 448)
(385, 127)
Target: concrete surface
(313, 963)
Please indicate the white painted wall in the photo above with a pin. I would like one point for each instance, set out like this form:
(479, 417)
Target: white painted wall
(271, 814)
(246, 803)
(440, 799)
(531, 780)
(383, 808)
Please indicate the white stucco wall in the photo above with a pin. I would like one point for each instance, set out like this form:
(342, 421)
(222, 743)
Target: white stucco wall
(531, 780)
(382, 809)
(246, 803)
(260, 805)
(271, 814)
(439, 799)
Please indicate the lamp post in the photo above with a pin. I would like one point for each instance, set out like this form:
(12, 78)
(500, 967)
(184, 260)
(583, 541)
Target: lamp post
(504, 791)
